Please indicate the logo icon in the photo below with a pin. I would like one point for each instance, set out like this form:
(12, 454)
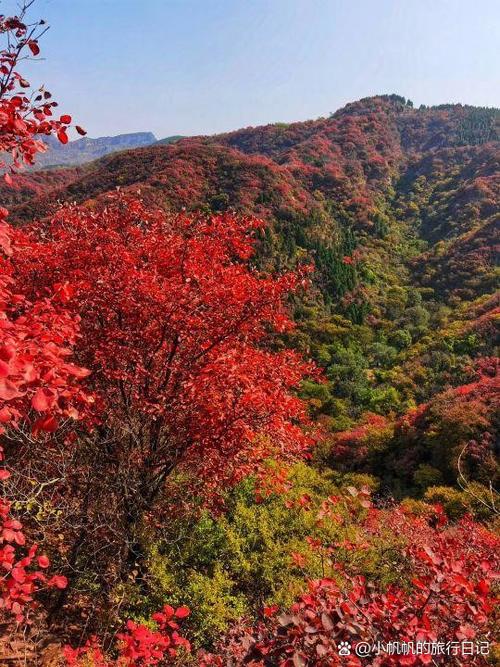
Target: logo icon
(344, 648)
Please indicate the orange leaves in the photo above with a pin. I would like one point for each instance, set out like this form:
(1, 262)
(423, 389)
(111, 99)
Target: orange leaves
(298, 559)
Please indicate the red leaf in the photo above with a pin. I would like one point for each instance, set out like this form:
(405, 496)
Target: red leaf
(58, 581)
(48, 424)
(62, 136)
(18, 574)
(8, 390)
(80, 130)
(270, 611)
(182, 612)
(34, 48)
(42, 400)
(168, 611)
(327, 622)
(43, 561)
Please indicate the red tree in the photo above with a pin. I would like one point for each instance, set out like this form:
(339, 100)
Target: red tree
(178, 332)
(25, 115)
(37, 386)
(172, 326)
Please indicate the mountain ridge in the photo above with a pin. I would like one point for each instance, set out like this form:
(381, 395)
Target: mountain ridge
(365, 158)
(88, 149)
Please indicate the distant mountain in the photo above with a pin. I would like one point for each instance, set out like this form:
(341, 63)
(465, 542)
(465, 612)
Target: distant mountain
(87, 149)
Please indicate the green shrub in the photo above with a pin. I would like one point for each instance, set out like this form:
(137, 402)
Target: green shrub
(453, 501)
(224, 567)
(425, 476)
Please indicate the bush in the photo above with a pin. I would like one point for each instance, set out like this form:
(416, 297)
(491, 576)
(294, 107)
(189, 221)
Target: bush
(453, 501)
(255, 554)
(425, 476)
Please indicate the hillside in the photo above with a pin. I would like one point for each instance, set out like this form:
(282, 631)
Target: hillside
(398, 209)
(204, 410)
(377, 168)
(249, 389)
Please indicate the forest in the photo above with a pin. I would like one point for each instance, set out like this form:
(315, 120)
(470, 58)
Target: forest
(248, 389)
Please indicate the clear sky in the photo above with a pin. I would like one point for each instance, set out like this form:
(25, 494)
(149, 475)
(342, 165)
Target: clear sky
(205, 66)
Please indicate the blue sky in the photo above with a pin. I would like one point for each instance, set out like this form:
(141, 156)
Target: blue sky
(205, 66)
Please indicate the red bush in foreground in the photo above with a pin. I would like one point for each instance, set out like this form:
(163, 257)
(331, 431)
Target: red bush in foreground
(137, 645)
(37, 386)
(450, 600)
(37, 382)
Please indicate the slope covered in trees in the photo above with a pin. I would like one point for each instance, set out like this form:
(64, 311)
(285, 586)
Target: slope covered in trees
(249, 401)
(396, 207)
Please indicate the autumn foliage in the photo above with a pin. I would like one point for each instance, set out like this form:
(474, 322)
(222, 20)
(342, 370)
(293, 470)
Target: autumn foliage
(450, 596)
(138, 644)
(37, 379)
(37, 387)
(172, 324)
(169, 361)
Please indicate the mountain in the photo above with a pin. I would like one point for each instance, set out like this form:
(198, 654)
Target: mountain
(398, 209)
(374, 169)
(87, 149)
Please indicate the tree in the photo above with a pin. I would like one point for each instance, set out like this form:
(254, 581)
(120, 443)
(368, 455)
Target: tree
(25, 115)
(173, 327)
(38, 386)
